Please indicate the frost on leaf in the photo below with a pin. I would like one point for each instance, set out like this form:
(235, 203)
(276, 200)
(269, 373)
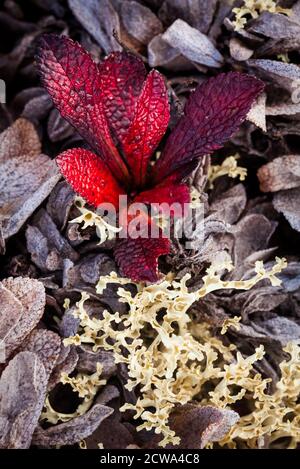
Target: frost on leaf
(22, 393)
(27, 176)
(22, 305)
(182, 357)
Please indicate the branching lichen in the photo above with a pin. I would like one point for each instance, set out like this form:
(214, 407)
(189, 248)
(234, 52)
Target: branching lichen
(104, 230)
(168, 356)
(229, 167)
(253, 8)
(86, 386)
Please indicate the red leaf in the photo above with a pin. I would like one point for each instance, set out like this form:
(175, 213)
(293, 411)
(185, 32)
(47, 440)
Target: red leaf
(138, 258)
(167, 194)
(89, 176)
(212, 114)
(72, 79)
(122, 76)
(148, 127)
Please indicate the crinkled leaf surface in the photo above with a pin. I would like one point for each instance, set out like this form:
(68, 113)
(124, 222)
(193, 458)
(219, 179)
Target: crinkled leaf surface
(22, 306)
(27, 176)
(22, 393)
(212, 114)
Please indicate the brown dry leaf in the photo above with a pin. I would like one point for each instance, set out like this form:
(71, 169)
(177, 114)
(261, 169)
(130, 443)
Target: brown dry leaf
(46, 345)
(27, 176)
(100, 19)
(59, 204)
(192, 44)
(22, 305)
(196, 426)
(197, 13)
(288, 203)
(66, 363)
(74, 430)
(139, 21)
(280, 174)
(22, 393)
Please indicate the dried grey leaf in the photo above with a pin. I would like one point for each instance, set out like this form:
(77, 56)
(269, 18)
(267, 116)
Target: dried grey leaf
(284, 109)
(252, 233)
(48, 248)
(161, 54)
(100, 19)
(280, 329)
(238, 50)
(197, 13)
(192, 44)
(66, 363)
(46, 345)
(87, 362)
(280, 174)
(59, 204)
(229, 206)
(74, 430)
(22, 305)
(290, 277)
(139, 21)
(58, 128)
(27, 176)
(22, 393)
(196, 426)
(286, 75)
(288, 203)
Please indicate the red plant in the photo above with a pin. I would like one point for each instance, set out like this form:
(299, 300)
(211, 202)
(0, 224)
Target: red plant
(122, 112)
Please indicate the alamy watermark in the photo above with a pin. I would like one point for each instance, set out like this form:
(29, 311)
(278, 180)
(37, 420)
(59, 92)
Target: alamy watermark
(155, 220)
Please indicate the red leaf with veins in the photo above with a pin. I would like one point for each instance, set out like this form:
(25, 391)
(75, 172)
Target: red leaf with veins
(148, 127)
(72, 79)
(212, 114)
(138, 258)
(89, 177)
(122, 76)
(168, 194)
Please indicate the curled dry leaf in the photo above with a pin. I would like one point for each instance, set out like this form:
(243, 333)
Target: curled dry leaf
(139, 21)
(22, 305)
(87, 362)
(280, 174)
(198, 425)
(161, 54)
(192, 44)
(27, 176)
(197, 13)
(74, 430)
(22, 393)
(288, 203)
(100, 19)
(48, 248)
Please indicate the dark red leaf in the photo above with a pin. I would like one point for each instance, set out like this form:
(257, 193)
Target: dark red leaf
(168, 194)
(138, 257)
(122, 76)
(72, 79)
(89, 176)
(212, 114)
(148, 127)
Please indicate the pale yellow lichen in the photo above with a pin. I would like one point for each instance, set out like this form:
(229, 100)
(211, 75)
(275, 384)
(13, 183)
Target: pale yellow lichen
(86, 386)
(229, 167)
(231, 322)
(253, 8)
(104, 230)
(169, 357)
